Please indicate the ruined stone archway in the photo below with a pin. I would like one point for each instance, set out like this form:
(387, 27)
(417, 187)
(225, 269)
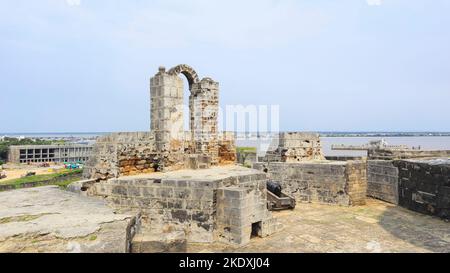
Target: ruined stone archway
(167, 117)
(187, 71)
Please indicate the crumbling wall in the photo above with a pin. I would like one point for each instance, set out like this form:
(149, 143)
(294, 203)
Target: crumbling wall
(122, 154)
(382, 180)
(424, 186)
(295, 147)
(393, 154)
(341, 183)
(204, 108)
(227, 148)
(167, 120)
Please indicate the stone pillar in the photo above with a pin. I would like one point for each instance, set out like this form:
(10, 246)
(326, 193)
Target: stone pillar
(204, 109)
(166, 92)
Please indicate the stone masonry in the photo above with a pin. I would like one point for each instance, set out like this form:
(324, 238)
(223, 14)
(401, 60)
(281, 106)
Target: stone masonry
(424, 185)
(218, 204)
(123, 154)
(327, 182)
(294, 147)
(382, 180)
(393, 154)
(185, 185)
(383, 175)
(167, 147)
(296, 161)
(166, 91)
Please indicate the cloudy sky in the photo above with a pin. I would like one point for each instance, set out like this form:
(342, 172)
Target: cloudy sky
(347, 65)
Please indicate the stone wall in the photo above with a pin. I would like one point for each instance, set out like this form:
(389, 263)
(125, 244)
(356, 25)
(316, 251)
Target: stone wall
(295, 147)
(122, 154)
(382, 180)
(167, 120)
(204, 109)
(341, 183)
(393, 154)
(227, 148)
(424, 186)
(223, 207)
(242, 213)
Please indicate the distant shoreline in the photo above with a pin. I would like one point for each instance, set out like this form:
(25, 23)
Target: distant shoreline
(322, 134)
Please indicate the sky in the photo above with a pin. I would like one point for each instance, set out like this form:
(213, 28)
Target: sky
(347, 65)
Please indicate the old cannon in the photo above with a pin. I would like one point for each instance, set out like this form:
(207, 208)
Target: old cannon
(277, 199)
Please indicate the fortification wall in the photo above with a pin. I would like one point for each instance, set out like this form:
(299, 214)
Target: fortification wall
(340, 183)
(227, 148)
(294, 147)
(122, 154)
(424, 186)
(382, 180)
(393, 154)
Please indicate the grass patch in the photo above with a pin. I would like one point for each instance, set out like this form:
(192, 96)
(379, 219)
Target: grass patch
(93, 238)
(21, 218)
(61, 178)
(246, 149)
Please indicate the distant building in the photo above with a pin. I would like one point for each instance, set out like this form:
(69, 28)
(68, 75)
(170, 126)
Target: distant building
(49, 153)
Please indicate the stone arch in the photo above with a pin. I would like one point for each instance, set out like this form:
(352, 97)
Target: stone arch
(187, 71)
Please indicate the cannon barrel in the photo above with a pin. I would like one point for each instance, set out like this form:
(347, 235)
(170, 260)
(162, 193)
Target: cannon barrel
(274, 187)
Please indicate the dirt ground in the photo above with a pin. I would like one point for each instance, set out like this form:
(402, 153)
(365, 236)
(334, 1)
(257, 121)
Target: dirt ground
(17, 171)
(375, 227)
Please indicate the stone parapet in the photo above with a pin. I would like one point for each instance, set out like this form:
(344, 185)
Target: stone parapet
(327, 182)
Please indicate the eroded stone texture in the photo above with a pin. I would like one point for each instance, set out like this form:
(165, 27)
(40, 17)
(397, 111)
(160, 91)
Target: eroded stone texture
(424, 186)
(329, 182)
(47, 219)
(172, 143)
(171, 176)
(204, 108)
(294, 147)
(393, 154)
(123, 154)
(159, 242)
(168, 147)
(220, 203)
(227, 148)
(382, 180)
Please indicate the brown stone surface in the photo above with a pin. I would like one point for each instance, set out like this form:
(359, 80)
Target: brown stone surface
(375, 227)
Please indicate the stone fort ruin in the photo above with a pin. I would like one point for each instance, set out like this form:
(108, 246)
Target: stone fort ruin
(187, 188)
(182, 183)
(167, 147)
(167, 188)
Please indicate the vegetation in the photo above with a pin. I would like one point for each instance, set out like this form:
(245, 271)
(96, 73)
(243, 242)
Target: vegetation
(10, 141)
(62, 178)
(246, 150)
